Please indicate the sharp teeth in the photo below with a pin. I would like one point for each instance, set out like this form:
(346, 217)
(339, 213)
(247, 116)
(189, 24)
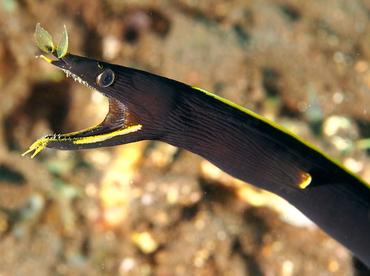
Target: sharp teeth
(68, 74)
(76, 78)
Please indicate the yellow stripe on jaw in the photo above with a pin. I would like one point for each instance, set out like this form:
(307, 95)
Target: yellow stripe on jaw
(42, 143)
(103, 137)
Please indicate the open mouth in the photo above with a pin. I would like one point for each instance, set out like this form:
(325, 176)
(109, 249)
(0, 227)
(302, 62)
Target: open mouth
(92, 74)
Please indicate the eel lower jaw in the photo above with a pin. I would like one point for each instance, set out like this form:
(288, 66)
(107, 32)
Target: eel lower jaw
(115, 124)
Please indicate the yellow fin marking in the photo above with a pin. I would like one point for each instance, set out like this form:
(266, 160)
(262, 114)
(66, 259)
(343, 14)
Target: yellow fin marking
(306, 180)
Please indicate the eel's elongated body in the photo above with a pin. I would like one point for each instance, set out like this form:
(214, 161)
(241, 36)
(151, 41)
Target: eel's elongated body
(143, 106)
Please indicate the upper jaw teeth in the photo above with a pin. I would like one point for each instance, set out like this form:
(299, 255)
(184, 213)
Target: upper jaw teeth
(76, 78)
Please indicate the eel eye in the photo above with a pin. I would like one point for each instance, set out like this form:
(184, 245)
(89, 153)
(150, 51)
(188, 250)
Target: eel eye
(106, 78)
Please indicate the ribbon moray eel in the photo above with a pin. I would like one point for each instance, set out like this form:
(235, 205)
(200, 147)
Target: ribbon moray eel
(144, 106)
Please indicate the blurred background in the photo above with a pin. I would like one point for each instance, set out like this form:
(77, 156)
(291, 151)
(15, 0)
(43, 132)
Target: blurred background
(151, 209)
